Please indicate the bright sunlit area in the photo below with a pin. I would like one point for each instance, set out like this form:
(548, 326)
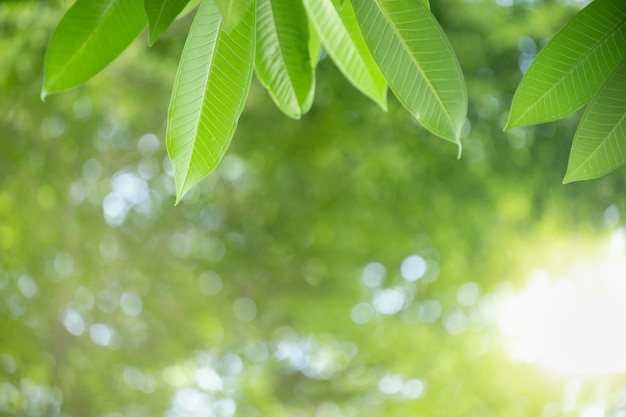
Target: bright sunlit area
(572, 321)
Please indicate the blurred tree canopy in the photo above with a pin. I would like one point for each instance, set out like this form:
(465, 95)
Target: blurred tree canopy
(342, 265)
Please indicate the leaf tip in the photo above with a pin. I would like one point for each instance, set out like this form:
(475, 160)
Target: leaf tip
(510, 124)
(572, 177)
(569, 178)
(459, 150)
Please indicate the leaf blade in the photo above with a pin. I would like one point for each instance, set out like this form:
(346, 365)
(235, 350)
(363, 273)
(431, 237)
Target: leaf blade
(340, 33)
(572, 66)
(418, 62)
(282, 59)
(599, 145)
(89, 36)
(211, 86)
(161, 13)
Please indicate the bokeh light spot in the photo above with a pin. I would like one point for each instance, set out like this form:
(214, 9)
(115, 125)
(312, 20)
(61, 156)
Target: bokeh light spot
(429, 311)
(131, 304)
(468, 293)
(27, 286)
(362, 313)
(374, 274)
(413, 268)
(244, 309)
(210, 283)
(208, 379)
(389, 301)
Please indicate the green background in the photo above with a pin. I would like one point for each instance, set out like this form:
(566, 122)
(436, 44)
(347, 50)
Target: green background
(253, 296)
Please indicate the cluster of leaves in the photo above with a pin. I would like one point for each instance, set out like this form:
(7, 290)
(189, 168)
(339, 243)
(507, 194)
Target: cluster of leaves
(585, 63)
(375, 43)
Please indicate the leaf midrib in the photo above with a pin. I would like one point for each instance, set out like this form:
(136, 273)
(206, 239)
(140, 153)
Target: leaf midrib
(220, 33)
(568, 72)
(417, 64)
(68, 63)
(592, 154)
(282, 57)
(345, 34)
(160, 14)
(359, 54)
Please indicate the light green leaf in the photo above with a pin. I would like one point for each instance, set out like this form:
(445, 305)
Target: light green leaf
(600, 142)
(573, 65)
(161, 13)
(211, 86)
(418, 62)
(283, 62)
(315, 46)
(232, 12)
(91, 34)
(339, 30)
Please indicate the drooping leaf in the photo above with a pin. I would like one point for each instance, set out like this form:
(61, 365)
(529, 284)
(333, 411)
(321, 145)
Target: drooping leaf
(418, 62)
(283, 62)
(191, 6)
(232, 12)
(573, 65)
(210, 89)
(89, 36)
(340, 33)
(315, 45)
(161, 13)
(600, 142)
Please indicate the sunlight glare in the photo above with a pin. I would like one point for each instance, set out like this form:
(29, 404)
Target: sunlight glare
(572, 324)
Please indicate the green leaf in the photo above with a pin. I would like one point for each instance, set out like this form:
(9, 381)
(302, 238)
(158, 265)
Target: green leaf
(91, 34)
(573, 65)
(211, 86)
(315, 45)
(418, 62)
(600, 142)
(232, 12)
(339, 30)
(161, 13)
(191, 6)
(283, 62)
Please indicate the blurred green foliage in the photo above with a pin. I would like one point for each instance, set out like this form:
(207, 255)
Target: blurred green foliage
(277, 286)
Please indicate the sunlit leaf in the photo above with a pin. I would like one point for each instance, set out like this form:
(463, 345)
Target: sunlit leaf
(339, 30)
(573, 65)
(89, 36)
(315, 45)
(211, 86)
(232, 12)
(600, 142)
(283, 62)
(160, 14)
(418, 62)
